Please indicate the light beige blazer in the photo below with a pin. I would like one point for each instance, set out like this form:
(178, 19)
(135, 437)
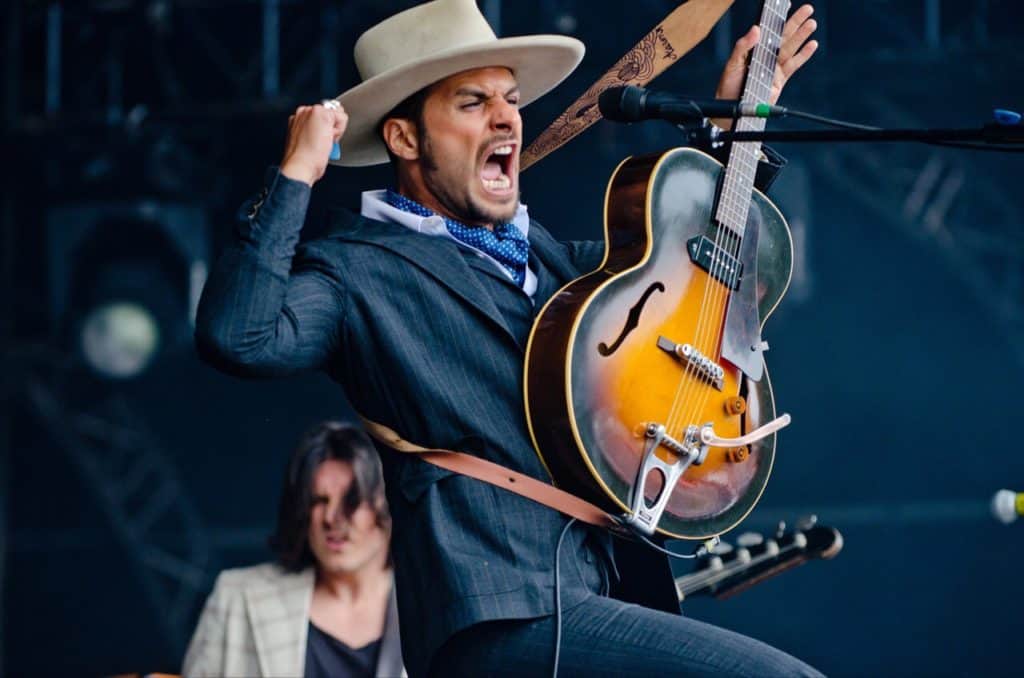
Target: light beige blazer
(255, 623)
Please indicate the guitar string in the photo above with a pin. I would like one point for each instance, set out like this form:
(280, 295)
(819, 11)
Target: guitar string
(708, 341)
(762, 66)
(762, 71)
(710, 324)
(692, 382)
(736, 196)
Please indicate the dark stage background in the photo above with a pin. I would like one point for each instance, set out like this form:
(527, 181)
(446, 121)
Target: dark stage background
(133, 130)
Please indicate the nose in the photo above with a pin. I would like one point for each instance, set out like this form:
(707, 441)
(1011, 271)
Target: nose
(334, 515)
(504, 116)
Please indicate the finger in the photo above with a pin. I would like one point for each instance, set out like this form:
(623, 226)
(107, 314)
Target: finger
(792, 44)
(738, 58)
(794, 64)
(340, 121)
(796, 19)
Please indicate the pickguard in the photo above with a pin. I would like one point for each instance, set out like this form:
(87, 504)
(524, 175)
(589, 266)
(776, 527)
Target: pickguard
(741, 339)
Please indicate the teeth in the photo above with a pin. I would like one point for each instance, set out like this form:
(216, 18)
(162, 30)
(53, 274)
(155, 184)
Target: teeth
(500, 183)
(503, 150)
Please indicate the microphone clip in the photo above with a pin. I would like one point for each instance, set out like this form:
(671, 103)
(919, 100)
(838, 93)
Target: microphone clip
(702, 134)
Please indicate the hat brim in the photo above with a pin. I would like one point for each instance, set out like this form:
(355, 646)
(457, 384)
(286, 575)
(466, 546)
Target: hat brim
(539, 63)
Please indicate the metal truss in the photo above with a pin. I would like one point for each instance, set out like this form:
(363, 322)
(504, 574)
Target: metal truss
(136, 486)
(950, 200)
(206, 58)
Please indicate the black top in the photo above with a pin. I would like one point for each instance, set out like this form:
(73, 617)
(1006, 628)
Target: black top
(328, 657)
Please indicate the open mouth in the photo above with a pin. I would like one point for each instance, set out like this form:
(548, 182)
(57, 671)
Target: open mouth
(336, 541)
(496, 174)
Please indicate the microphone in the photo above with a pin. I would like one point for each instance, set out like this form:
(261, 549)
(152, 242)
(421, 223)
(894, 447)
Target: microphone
(1007, 506)
(631, 104)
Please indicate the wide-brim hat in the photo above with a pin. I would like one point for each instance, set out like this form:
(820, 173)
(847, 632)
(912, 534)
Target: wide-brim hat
(427, 43)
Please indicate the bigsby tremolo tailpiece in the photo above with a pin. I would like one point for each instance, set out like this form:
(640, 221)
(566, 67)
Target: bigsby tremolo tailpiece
(691, 450)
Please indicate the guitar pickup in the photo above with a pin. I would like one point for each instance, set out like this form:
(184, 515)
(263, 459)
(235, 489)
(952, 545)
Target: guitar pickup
(706, 368)
(719, 264)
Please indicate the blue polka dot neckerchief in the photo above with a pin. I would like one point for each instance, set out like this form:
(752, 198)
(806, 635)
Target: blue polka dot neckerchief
(506, 244)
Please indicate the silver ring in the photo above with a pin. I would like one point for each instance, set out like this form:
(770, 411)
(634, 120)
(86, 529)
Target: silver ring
(330, 103)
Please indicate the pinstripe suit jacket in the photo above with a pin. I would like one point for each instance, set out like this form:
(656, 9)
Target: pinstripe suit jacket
(405, 324)
(255, 623)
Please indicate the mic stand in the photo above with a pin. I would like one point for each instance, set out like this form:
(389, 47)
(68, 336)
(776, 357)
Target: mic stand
(708, 135)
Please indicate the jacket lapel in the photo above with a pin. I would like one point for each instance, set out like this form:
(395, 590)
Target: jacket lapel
(438, 257)
(389, 662)
(278, 611)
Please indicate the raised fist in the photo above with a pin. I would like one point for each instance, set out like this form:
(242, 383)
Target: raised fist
(312, 131)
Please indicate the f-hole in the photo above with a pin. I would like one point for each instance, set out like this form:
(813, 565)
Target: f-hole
(632, 320)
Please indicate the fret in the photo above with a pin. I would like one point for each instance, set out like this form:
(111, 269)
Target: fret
(741, 168)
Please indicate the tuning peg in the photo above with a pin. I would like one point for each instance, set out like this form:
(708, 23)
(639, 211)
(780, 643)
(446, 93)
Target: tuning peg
(748, 539)
(722, 548)
(804, 523)
(780, 529)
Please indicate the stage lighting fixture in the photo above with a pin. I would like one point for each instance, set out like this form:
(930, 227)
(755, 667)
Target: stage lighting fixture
(119, 339)
(125, 281)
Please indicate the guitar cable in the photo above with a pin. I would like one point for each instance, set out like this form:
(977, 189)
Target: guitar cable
(700, 551)
(558, 598)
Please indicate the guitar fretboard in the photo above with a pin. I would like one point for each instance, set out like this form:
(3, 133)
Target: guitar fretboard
(738, 183)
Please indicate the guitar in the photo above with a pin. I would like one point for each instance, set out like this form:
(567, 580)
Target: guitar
(727, 570)
(645, 386)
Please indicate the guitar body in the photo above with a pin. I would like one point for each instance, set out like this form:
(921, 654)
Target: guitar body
(596, 375)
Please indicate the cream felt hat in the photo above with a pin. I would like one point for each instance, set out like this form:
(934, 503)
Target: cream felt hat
(415, 48)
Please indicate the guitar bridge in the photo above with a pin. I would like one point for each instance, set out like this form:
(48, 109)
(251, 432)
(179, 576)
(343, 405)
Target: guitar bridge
(705, 367)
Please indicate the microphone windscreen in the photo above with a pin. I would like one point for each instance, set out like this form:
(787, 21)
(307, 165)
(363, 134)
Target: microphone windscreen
(621, 104)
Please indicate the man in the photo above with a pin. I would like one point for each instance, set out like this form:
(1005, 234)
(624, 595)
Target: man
(325, 608)
(420, 308)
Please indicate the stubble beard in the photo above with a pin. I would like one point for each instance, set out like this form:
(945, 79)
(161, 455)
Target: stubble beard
(458, 202)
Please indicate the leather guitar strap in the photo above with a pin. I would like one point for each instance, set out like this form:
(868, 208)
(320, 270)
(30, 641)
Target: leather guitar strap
(496, 474)
(676, 35)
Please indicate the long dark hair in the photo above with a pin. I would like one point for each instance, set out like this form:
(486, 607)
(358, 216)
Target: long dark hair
(329, 440)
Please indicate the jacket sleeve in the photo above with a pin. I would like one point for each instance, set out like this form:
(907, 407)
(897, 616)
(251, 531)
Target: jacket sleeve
(270, 307)
(586, 255)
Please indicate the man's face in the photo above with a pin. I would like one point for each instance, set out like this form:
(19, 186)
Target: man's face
(469, 147)
(342, 544)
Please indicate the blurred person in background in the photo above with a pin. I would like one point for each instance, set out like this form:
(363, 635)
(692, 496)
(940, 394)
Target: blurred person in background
(326, 606)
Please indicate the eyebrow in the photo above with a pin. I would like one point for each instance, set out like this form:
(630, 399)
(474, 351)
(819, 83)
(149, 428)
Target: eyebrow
(479, 93)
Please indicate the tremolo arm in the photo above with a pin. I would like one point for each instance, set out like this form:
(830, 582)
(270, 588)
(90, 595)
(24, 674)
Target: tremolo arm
(708, 436)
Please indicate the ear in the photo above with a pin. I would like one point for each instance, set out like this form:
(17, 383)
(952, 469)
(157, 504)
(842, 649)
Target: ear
(400, 135)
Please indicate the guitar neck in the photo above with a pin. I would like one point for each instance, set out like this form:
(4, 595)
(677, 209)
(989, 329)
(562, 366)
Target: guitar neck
(738, 182)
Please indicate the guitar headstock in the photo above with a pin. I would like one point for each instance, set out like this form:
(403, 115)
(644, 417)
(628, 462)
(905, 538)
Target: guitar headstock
(729, 568)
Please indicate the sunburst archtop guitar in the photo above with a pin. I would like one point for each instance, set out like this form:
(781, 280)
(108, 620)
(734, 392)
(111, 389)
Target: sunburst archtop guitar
(645, 386)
